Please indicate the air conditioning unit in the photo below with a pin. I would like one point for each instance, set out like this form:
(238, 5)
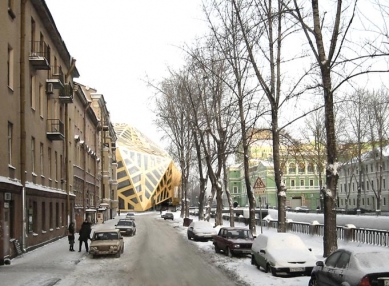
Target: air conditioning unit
(7, 196)
(49, 88)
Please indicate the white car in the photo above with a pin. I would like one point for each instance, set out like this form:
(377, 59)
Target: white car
(282, 254)
(201, 230)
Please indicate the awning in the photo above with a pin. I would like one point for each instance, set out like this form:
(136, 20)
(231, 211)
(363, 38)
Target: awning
(90, 210)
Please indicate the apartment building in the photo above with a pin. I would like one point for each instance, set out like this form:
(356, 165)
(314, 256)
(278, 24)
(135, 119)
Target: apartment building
(366, 181)
(50, 167)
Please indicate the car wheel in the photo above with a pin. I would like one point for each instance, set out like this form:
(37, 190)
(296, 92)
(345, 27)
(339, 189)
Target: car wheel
(217, 249)
(228, 252)
(313, 281)
(188, 236)
(252, 260)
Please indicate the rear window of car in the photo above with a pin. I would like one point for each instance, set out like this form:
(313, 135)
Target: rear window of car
(125, 222)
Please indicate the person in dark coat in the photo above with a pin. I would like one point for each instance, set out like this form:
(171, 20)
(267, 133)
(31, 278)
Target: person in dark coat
(71, 236)
(84, 233)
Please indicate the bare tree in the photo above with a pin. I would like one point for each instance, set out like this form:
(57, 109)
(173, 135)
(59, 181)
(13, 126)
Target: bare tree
(335, 56)
(172, 114)
(378, 106)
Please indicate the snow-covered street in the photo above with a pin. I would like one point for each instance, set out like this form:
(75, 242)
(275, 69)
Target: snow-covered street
(142, 264)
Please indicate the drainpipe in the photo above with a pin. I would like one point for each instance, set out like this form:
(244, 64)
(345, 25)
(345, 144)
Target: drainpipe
(23, 118)
(67, 132)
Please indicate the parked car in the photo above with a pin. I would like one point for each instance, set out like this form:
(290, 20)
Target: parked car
(302, 209)
(282, 254)
(356, 267)
(201, 230)
(107, 242)
(288, 208)
(168, 216)
(130, 216)
(126, 226)
(233, 241)
(355, 211)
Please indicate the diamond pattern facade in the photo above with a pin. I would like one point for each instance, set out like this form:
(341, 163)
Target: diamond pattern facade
(146, 175)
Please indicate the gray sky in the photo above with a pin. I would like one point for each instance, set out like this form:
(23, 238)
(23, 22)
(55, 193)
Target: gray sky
(117, 44)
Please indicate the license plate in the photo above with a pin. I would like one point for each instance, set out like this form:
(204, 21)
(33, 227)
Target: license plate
(299, 269)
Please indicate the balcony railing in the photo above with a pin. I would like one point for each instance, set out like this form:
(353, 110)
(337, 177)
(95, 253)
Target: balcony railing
(56, 79)
(66, 93)
(55, 129)
(40, 55)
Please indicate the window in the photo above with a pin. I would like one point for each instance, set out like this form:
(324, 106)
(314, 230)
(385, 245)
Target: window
(49, 161)
(41, 159)
(301, 168)
(235, 190)
(33, 154)
(32, 92)
(311, 183)
(368, 201)
(310, 168)
(10, 131)
(363, 201)
(43, 212)
(51, 217)
(354, 202)
(383, 183)
(341, 188)
(371, 167)
(56, 166)
(10, 68)
(292, 168)
(384, 201)
(57, 215)
(302, 183)
(292, 183)
(41, 96)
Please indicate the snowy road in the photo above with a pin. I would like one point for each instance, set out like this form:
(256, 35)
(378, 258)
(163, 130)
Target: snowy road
(156, 255)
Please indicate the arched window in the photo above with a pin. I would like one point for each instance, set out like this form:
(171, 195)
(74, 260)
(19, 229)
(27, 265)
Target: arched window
(301, 168)
(292, 168)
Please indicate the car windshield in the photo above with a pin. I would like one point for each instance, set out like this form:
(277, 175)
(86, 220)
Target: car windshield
(106, 236)
(125, 222)
(239, 234)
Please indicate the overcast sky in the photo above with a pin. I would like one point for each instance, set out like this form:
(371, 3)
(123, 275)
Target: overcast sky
(117, 44)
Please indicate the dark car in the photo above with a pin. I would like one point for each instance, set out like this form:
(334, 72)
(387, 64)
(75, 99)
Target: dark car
(356, 267)
(168, 216)
(126, 226)
(233, 241)
(355, 211)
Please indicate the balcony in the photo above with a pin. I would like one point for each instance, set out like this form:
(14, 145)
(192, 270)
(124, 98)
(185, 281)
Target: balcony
(40, 55)
(55, 80)
(66, 93)
(55, 130)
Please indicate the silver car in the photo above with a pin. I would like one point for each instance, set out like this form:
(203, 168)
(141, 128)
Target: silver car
(346, 267)
(201, 230)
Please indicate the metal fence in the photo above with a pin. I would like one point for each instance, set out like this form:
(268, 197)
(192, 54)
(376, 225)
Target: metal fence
(347, 233)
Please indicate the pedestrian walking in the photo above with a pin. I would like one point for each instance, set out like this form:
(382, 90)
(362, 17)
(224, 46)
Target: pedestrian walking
(71, 236)
(84, 233)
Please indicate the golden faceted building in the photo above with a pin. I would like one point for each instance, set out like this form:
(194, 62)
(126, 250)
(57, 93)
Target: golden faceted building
(146, 175)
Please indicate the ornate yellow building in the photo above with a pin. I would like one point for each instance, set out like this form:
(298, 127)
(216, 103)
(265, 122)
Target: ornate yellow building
(146, 175)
